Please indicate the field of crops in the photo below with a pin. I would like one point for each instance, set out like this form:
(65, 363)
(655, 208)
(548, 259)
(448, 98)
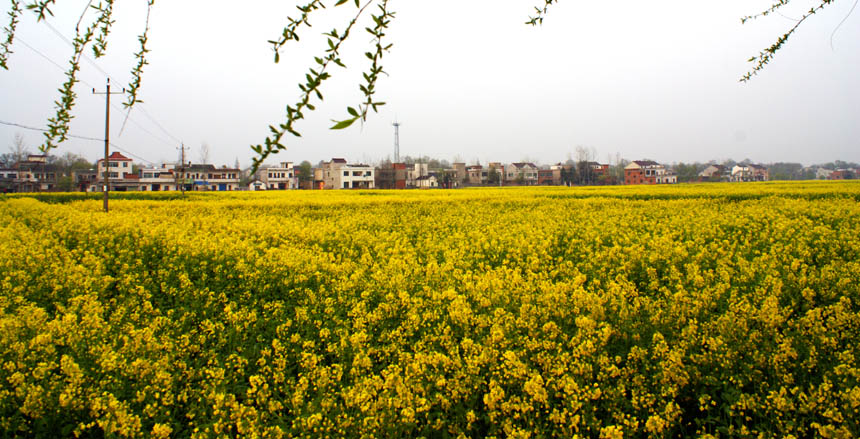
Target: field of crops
(630, 312)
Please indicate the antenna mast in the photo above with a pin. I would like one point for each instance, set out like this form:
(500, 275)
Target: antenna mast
(396, 142)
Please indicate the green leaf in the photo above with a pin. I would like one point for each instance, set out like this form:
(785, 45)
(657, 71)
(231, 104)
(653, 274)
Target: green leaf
(339, 125)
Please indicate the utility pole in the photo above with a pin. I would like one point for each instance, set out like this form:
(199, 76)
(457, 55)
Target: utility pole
(396, 142)
(107, 94)
(182, 168)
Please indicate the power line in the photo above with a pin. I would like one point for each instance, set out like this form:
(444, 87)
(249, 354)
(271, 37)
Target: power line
(47, 58)
(72, 136)
(83, 55)
(114, 105)
(94, 64)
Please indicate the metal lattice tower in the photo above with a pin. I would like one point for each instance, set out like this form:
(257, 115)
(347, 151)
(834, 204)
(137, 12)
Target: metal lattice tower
(396, 142)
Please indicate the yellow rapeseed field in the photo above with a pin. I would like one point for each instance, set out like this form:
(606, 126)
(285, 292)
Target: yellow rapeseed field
(712, 311)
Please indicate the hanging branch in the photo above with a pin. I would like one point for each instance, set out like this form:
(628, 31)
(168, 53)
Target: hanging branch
(766, 56)
(541, 13)
(311, 88)
(381, 22)
(137, 71)
(58, 125)
(104, 25)
(41, 8)
(5, 47)
(290, 30)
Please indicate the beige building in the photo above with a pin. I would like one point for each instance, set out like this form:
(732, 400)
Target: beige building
(120, 174)
(525, 173)
(282, 177)
(338, 174)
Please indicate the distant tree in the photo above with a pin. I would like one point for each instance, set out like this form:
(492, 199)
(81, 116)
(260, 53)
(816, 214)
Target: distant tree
(19, 149)
(306, 172)
(785, 171)
(568, 174)
(493, 176)
(203, 153)
(71, 162)
(688, 172)
(66, 183)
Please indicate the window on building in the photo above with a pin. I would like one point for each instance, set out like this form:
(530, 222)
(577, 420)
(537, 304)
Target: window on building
(346, 173)
(346, 185)
(124, 164)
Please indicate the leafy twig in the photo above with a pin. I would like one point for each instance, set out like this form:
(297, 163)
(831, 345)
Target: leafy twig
(368, 88)
(58, 125)
(311, 88)
(767, 55)
(5, 47)
(137, 71)
(541, 13)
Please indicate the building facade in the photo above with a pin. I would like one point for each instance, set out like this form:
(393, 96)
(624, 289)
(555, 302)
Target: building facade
(338, 174)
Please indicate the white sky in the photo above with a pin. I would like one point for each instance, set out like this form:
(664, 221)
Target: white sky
(468, 80)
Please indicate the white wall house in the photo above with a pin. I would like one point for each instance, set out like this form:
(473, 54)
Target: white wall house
(338, 174)
(282, 177)
(157, 179)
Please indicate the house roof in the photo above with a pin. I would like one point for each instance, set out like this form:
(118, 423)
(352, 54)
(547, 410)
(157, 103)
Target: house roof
(645, 162)
(117, 156)
(338, 160)
(523, 165)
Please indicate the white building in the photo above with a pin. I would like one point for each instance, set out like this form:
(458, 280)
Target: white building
(282, 177)
(120, 174)
(525, 173)
(206, 177)
(257, 185)
(338, 174)
(414, 172)
(427, 182)
(156, 179)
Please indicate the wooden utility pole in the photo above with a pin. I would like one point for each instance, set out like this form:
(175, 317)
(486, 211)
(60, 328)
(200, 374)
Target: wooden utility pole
(181, 170)
(107, 94)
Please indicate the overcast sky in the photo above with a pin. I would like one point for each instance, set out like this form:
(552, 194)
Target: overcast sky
(468, 80)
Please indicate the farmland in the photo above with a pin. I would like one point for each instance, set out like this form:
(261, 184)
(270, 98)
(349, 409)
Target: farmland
(698, 310)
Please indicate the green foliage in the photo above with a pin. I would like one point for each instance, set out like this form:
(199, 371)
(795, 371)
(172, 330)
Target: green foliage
(5, 47)
(766, 56)
(98, 30)
(311, 89)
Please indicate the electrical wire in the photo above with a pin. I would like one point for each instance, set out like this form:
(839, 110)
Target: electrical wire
(72, 136)
(146, 114)
(114, 105)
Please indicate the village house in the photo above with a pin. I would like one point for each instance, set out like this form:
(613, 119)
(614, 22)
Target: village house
(120, 173)
(474, 175)
(843, 174)
(522, 173)
(427, 182)
(391, 176)
(338, 174)
(206, 177)
(648, 172)
(713, 172)
(460, 172)
(282, 177)
(750, 172)
(8, 177)
(157, 179)
(32, 175)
